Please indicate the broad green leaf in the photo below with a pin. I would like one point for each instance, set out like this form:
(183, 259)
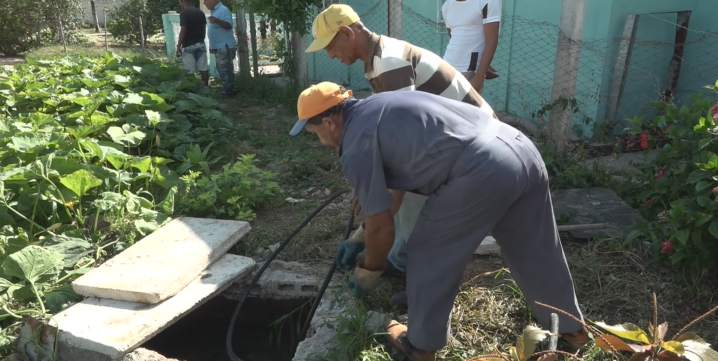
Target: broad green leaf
(60, 297)
(203, 101)
(696, 176)
(703, 201)
(713, 228)
(142, 164)
(703, 185)
(526, 344)
(673, 346)
(168, 204)
(682, 236)
(696, 350)
(122, 80)
(25, 144)
(124, 136)
(627, 331)
(702, 218)
(133, 98)
(80, 182)
(32, 262)
(71, 250)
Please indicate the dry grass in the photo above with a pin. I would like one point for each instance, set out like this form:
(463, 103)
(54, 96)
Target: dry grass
(614, 284)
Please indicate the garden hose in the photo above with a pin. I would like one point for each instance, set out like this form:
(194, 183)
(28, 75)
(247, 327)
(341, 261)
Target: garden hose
(233, 320)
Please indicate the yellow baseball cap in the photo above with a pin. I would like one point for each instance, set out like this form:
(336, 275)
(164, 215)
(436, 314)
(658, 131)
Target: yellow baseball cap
(317, 99)
(326, 25)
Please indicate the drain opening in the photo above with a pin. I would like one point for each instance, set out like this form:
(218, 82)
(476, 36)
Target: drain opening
(266, 330)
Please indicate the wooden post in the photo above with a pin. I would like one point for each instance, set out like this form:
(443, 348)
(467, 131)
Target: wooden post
(142, 36)
(105, 13)
(94, 16)
(62, 34)
(242, 45)
(253, 38)
(301, 68)
(566, 72)
(395, 18)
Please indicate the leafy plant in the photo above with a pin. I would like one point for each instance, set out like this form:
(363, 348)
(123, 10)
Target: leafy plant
(234, 192)
(197, 158)
(679, 188)
(525, 348)
(652, 345)
(25, 26)
(88, 166)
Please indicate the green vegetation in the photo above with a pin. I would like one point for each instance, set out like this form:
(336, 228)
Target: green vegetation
(124, 23)
(102, 151)
(29, 25)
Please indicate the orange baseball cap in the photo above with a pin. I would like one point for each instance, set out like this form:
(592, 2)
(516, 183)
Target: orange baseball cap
(317, 99)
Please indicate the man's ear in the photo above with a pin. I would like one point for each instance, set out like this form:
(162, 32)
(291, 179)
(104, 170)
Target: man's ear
(347, 32)
(330, 122)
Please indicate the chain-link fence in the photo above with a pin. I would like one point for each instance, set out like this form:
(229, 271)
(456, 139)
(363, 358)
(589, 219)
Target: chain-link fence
(619, 72)
(269, 35)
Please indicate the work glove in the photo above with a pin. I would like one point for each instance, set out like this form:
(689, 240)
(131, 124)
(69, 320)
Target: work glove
(363, 280)
(350, 249)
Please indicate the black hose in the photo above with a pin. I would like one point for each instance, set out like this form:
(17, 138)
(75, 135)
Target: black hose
(233, 320)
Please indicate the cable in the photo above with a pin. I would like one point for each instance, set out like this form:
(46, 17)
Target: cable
(233, 320)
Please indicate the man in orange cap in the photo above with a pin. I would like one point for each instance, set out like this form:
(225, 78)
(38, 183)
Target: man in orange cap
(389, 65)
(478, 175)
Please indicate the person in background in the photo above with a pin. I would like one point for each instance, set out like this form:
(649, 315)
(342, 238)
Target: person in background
(473, 27)
(222, 44)
(190, 43)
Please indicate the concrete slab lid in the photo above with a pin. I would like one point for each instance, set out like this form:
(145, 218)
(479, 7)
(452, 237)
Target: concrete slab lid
(164, 262)
(105, 330)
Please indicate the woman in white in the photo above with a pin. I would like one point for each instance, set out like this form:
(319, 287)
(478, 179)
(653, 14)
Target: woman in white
(473, 27)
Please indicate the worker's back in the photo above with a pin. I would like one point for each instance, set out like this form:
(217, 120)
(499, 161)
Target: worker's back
(416, 139)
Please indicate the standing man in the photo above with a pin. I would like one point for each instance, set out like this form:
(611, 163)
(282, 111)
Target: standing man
(190, 43)
(389, 65)
(473, 27)
(479, 175)
(222, 44)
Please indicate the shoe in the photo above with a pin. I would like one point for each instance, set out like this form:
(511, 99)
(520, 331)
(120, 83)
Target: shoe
(398, 337)
(576, 339)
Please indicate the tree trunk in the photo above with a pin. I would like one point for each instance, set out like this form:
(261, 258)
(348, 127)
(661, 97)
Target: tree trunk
(94, 15)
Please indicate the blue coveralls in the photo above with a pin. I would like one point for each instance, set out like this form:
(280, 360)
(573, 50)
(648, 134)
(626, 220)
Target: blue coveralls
(481, 176)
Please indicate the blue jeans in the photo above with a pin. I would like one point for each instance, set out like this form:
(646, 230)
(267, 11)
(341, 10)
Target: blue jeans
(224, 60)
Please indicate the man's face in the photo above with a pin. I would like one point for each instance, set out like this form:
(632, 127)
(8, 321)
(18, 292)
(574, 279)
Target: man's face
(343, 46)
(327, 132)
(210, 4)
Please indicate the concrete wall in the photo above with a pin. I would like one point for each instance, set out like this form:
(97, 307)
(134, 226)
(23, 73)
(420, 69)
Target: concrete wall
(527, 47)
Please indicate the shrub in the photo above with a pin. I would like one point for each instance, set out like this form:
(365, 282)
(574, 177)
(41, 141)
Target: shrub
(123, 21)
(20, 25)
(678, 196)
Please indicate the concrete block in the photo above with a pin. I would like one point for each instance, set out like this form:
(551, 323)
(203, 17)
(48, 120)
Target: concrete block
(164, 262)
(281, 280)
(99, 329)
(143, 354)
(488, 247)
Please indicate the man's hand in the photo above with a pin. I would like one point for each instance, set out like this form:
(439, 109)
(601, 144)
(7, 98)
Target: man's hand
(363, 280)
(179, 52)
(350, 249)
(212, 19)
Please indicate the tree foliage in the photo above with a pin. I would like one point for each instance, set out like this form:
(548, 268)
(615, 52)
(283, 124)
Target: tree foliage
(295, 14)
(27, 25)
(124, 24)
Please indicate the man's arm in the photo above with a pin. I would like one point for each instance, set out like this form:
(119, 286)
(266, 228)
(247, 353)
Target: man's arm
(183, 32)
(379, 238)
(224, 19)
(492, 20)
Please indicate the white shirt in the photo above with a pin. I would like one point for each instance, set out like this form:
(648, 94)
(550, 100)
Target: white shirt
(466, 20)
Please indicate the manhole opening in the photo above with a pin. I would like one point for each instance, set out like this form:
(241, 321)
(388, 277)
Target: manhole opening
(266, 330)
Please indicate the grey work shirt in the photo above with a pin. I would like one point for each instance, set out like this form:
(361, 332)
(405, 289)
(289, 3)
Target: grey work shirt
(407, 141)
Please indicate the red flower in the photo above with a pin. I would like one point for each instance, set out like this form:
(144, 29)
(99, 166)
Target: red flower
(660, 173)
(648, 202)
(644, 140)
(714, 111)
(666, 246)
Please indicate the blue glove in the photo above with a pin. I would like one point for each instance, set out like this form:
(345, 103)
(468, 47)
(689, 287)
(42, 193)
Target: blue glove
(363, 281)
(350, 249)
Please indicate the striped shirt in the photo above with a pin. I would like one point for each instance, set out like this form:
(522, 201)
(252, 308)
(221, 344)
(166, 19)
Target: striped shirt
(399, 66)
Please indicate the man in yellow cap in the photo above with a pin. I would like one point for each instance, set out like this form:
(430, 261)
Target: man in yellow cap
(479, 175)
(390, 65)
